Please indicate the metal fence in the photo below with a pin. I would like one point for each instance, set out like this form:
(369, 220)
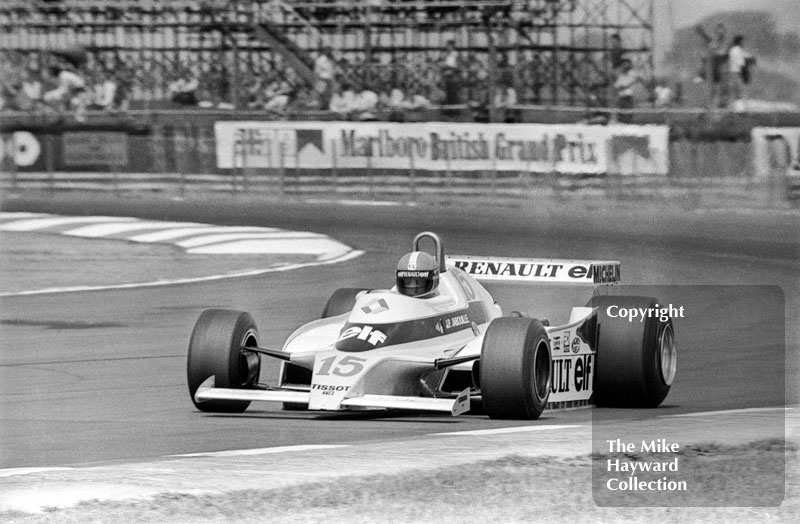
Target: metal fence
(184, 166)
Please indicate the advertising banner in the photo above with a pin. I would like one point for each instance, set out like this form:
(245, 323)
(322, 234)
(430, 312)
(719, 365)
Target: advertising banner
(89, 148)
(776, 148)
(440, 146)
(75, 148)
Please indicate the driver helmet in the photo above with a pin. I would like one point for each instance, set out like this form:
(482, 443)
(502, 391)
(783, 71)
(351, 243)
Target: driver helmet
(417, 275)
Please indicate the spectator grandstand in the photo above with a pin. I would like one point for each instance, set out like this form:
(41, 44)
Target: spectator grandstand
(265, 55)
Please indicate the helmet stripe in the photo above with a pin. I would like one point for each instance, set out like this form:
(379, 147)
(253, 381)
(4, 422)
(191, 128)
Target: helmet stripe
(412, 261)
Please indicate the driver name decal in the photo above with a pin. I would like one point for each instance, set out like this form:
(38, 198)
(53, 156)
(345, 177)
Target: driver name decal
(457, 321)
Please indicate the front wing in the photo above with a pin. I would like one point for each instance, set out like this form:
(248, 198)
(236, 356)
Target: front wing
(456, 406)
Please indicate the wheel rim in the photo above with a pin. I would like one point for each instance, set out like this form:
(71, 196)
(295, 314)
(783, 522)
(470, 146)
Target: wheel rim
(541, 371)
(248, 362)
(667, 354)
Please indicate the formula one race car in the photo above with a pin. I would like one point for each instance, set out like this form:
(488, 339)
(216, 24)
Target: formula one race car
(437, 341)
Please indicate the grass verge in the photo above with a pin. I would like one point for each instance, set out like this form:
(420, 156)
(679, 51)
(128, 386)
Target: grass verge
(510, 490)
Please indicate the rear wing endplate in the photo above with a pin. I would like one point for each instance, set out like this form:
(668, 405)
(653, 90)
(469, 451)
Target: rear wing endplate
(537, 270)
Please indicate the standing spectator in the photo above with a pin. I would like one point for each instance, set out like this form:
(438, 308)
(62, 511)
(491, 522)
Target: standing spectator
(615, 53)
(614, 56)
(531, 79)
(624, 86)
(124, 78)
(475, 79)
(525, 76)
(740, 62)
(451, 74)
(717, 58)
(506, 79)
(324, 70)
(505, 93)
(207, 91)
(226, 92)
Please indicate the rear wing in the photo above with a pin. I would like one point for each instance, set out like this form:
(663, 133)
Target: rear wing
(500, 269)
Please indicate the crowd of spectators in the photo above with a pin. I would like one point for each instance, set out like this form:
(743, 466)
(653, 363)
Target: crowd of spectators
(42, 81)
(350, 85)
(353, 84)
(63, 82)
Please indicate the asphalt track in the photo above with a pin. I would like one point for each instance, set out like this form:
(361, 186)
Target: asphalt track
(99, 376)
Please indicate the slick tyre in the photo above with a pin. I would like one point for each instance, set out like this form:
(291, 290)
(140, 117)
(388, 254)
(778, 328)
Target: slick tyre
(636, 361)
(215, 349)
(342, 301)
(515, 368)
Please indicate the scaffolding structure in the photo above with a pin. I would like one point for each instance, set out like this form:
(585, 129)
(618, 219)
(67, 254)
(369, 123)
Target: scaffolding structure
(556, 52)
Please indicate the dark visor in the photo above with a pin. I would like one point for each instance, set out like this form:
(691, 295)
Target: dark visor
(414, 286)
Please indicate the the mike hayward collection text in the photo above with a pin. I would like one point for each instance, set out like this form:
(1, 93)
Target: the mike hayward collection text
(658, 472)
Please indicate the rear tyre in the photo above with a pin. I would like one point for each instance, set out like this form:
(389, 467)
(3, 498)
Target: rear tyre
(636, 361)
(342, 301)
(515, 368)
(216, 349)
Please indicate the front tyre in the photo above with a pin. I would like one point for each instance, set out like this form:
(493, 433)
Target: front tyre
(636, 361)
(515, 368)
(215, 348)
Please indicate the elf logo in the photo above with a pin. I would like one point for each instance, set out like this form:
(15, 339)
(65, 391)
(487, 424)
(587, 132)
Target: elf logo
(367, 333)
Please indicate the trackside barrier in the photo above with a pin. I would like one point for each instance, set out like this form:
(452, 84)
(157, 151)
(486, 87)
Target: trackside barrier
(701, 175)
(689, 193)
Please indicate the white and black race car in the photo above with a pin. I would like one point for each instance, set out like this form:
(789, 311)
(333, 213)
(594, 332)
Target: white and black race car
(437, 340)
